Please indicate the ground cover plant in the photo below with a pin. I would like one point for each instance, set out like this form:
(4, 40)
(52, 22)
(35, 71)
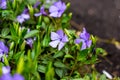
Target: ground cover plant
(37, 43)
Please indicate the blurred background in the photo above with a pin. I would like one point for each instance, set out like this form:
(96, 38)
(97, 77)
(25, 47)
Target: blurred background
(102, 19)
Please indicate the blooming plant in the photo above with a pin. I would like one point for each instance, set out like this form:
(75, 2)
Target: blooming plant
(36, 42)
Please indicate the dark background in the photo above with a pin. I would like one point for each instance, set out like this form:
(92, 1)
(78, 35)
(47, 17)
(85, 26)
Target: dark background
(101, 18)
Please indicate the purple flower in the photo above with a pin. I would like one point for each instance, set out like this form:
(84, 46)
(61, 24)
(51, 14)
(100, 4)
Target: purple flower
(7, 76)
(6, 69)
(3, 4)
(18, 77)
(36, 4)
(24, 16)
(85, 39)
(42, 12)
(30, 41)
(58, 38)
(3, 50)
(57, 9)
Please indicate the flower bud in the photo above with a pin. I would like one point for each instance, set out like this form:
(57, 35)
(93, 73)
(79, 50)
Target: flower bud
(47, 20)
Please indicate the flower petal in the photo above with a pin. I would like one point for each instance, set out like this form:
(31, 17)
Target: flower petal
(63, 6)
(3, 4)
(25, 16)
(65, 39)
(5, 69)
(60, 33)
(53, 9)
(54, 14)
(6, 77)
(83, 46)
(29, 42)
(20, 19)
(54, 36)
(58, 4)
(37, 14)
(3, 47)
(88, 43)
(36, 4)
(18, 77)
(77, 41)
(54, 43)
(84, 35)
(61, 45)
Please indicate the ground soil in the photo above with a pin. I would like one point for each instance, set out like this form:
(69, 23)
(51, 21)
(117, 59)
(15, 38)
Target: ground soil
(101, 18)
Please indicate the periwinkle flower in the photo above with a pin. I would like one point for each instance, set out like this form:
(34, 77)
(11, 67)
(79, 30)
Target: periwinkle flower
(58, 39)
(30, 41)
(42, 12)
(36, 4)
(7, 76)
(85, 39)
(3, 50)
(24, 16)
(6, 69)
(3, 4)
(57, 9)
(18, 77)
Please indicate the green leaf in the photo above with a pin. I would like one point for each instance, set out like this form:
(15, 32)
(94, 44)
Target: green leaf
(41, 68)
(59, 72)
(49, 72)
(46, 41)
(82, 56)
(6, 61)
(58, 54)
(102, 51)
(103, 77)
(69, 56)
(86, 78)
(31, 34)
(20, 65)
(5, 31)
(59, 64)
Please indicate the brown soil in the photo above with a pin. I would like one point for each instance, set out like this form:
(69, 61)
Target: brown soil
(101, 18)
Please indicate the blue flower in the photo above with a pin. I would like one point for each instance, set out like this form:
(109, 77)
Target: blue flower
(57, 9)
(3, 50)
(30, 41)
(7, 76)
(36, 4)
(24, 16)
(58, 38)
(84, 38)
(42, 12)
(3, 4)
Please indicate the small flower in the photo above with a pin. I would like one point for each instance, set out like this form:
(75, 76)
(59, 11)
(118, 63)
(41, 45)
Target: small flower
(58, 38)
(3, 50)
(6, 69)
(7, 76)
(24, 16)
(57, 9)
(18, 77)
(30, 41)
(85, 39)
(42, 12)
(36, 4)
(3, 4)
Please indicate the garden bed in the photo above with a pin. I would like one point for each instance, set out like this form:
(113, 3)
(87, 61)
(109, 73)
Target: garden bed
(102, 19)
